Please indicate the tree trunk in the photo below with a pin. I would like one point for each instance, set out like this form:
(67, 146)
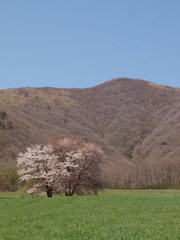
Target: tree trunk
(49, 191)
(67, 194)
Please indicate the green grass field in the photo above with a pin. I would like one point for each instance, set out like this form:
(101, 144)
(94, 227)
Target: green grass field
(113, 215)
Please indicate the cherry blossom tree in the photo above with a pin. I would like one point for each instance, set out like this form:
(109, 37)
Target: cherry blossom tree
(66, 165)
(82, 165)
(39, 165)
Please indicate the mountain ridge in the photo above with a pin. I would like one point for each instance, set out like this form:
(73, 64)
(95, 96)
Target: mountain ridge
(128, 118)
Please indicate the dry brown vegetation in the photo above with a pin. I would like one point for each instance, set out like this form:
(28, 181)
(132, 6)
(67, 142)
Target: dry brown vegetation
(163, 174)
(131, 120)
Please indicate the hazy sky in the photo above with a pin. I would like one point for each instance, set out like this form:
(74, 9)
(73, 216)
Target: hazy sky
(82, 43)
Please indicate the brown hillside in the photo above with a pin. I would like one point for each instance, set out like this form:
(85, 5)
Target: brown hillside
(130, 119)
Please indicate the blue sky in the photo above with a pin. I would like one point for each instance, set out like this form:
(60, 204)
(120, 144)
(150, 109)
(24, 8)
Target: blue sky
(82, 43)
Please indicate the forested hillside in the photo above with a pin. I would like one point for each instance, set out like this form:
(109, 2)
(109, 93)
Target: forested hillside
(131, 120)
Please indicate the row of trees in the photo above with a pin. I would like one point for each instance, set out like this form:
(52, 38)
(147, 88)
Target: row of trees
(161, 174)
(67, 165)
(71, 165)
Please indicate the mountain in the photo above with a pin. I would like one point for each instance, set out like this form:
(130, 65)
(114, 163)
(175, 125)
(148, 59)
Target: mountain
(131, 120)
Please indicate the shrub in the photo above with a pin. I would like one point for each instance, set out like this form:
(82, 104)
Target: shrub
(9, 180)
(163, 143)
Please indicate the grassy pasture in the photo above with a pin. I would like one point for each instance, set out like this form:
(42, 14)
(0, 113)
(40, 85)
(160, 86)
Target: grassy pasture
(113, 215)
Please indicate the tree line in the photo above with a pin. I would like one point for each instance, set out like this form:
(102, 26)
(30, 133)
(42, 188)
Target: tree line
(162, 174)
(72, 165)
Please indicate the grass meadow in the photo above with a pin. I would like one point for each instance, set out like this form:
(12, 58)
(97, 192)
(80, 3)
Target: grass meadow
(113, 215)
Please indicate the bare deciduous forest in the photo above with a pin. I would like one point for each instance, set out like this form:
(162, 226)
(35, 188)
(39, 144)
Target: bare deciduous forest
(136, 124)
